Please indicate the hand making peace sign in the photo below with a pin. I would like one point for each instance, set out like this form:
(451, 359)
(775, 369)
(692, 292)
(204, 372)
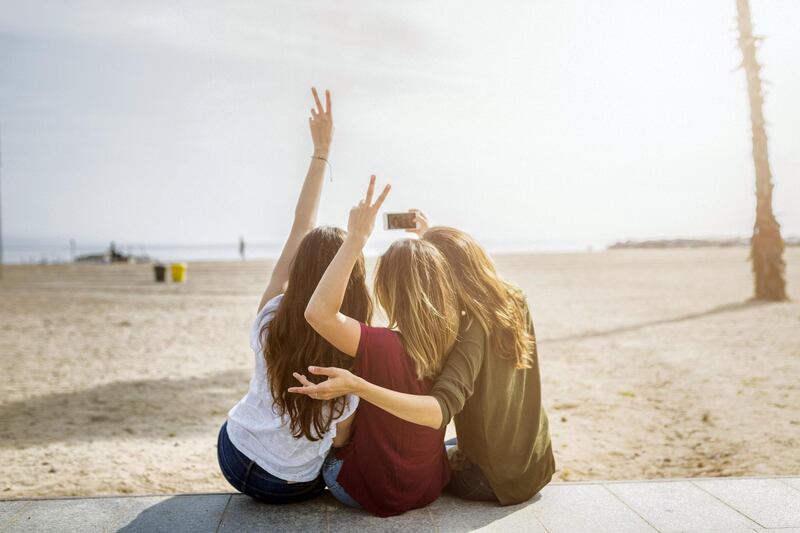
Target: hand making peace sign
(362, 216)
(321, 124)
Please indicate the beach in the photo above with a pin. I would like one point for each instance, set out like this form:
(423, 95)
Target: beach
(654, 365)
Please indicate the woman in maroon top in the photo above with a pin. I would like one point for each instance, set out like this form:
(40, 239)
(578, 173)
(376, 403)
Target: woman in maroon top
(390, 465)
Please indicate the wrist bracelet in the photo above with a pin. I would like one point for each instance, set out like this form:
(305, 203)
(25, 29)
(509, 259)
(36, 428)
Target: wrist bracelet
(330, 168)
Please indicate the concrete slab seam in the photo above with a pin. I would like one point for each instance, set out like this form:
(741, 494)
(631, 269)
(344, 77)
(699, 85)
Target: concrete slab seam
(788, 485)
(634, 511)
(222, 516)
(433, 520)
(759, 524)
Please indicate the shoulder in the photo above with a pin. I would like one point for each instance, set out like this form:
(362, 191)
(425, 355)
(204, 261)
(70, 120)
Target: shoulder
(373, 338)
(380, 354)
(471, 332)
(264, 316)
(272, 305)
(518, 295)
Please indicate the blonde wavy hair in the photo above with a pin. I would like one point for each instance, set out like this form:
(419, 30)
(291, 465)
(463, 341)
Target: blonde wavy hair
(414, 286)
(497, 305)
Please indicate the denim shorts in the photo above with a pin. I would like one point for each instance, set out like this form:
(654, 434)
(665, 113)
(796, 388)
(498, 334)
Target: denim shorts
(330, 472)
(248, 478)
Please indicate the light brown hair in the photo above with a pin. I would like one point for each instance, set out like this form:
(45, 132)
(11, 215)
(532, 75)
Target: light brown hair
(414, 286)
(497, 305)
(291, 344)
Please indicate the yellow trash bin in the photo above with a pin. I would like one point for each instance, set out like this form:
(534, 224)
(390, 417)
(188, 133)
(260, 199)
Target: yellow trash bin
(178, 272)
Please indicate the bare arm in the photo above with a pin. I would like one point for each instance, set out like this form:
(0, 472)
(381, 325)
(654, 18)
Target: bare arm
(414, 408)
(417, 409)
(322, 311)
(450, 392)
(305, 213)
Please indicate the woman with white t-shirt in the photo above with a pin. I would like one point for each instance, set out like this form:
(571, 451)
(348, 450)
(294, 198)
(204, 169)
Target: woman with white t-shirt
(274, 443)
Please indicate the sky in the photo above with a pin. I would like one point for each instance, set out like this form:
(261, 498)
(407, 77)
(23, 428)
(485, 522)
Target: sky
(519, 121)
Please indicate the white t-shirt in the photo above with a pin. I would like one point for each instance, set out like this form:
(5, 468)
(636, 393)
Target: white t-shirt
(266, 438)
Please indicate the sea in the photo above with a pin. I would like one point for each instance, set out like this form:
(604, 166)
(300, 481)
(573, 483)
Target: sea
(55, 251)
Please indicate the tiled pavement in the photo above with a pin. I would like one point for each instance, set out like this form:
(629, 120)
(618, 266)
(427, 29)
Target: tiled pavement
(707, 505)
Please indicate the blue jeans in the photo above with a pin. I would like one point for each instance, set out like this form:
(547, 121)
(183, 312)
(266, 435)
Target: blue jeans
(250, 479)
(468, 482)
(330, 472)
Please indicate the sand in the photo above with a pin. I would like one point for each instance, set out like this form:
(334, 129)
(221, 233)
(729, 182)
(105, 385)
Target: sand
(654, 365)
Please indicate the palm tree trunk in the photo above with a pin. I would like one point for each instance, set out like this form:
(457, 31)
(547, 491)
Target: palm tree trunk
(766, 247)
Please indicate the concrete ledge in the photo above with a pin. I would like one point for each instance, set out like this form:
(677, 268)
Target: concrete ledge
(711, 504)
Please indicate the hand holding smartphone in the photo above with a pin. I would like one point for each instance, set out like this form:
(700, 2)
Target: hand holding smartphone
(399, 220)
(414, 221)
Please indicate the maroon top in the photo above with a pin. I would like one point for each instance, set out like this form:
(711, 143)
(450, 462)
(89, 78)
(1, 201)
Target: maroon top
(390, 465)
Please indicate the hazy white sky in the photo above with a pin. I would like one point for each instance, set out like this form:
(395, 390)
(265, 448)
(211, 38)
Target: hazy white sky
(558, 120)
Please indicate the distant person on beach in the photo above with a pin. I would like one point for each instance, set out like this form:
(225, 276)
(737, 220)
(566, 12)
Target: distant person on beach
(241, 248)
(490, 383)
(114, 255)
(389, 466)
(273, 444)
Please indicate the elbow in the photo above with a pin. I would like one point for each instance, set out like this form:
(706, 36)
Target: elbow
(436, 423)
(315, 316)
(311, 315)
(440, 417)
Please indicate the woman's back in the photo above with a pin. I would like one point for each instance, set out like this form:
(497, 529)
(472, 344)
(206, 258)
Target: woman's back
(258, 431)
(391, 465)
(501, 424)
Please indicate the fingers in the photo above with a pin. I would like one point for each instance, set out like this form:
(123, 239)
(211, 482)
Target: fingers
(420, 220)
(324, 371)
(328, 103)
(370, 190)
(382, 197)
(308, 391)
(302, 379)
(320, 110)
(308, 388)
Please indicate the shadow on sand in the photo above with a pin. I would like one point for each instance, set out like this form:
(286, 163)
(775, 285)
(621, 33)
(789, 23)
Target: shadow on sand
(152, 408)
(718, 310)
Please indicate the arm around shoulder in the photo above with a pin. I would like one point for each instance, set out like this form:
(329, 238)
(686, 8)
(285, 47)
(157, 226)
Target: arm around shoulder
(414, 408)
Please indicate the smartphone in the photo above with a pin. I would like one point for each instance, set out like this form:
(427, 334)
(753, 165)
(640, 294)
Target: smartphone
(399, 221)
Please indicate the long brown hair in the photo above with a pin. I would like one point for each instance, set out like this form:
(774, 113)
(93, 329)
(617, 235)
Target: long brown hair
(497, 305)
(291, 344)
(414, 286)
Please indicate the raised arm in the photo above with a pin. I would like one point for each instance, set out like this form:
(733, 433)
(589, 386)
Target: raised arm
(322, 312)
(305, 214)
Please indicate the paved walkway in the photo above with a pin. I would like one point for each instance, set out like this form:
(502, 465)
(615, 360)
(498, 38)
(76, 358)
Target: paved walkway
(722, 504)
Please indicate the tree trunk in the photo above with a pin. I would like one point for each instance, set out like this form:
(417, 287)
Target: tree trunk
(766, 247)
